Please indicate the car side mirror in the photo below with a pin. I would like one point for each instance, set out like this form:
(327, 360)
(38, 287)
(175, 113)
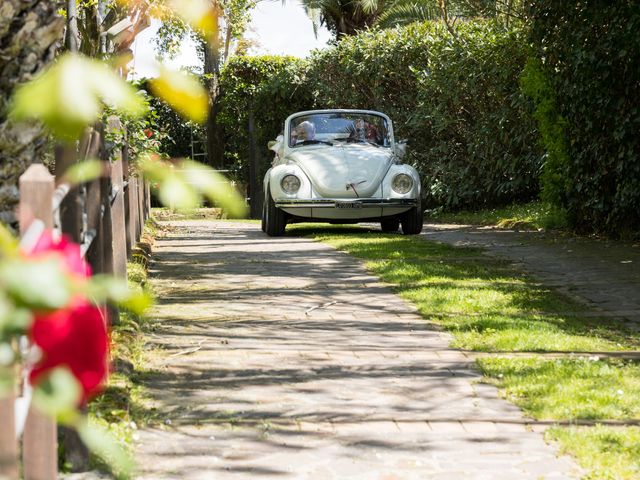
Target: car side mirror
(401, 148)
(271, 144)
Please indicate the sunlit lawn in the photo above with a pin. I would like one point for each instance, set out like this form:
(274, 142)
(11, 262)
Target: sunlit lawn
(483, 302)
(489, 306)
(532, 215)
(121, 407)
(608, 453)
(569, 389)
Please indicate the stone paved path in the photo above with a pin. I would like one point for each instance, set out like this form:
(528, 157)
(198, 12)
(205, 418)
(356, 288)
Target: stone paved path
(254, 384)
(603, 274)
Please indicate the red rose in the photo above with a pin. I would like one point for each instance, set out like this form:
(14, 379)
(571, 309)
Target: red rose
(75, 337)
(70, 251)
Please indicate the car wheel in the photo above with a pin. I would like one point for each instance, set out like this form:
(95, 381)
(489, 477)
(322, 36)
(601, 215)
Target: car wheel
(389, 225)
(412, 220)
(263, 223)
(276, 219)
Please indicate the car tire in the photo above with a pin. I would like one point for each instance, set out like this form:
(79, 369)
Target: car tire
(263, 223)
(390, 225)
(275, 219)
(412, 220)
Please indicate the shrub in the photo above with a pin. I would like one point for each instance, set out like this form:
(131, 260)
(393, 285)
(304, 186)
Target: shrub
(479, 144)
(457, 100)
(589, 52)
(272, 88)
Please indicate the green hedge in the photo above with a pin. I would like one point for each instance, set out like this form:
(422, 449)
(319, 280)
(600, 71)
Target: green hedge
(480, 143)
(273, 88)
(457, 101)
(590, 52)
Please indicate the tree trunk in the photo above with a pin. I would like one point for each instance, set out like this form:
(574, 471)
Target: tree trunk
(29, 35)
(215, 144)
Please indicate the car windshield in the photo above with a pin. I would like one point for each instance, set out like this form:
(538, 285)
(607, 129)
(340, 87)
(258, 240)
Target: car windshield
(332, 128)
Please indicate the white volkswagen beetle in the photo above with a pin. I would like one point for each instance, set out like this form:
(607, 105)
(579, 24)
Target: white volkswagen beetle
(340, 166)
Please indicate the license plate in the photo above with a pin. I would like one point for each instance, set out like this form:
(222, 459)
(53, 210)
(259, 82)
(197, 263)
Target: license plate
(348, 205)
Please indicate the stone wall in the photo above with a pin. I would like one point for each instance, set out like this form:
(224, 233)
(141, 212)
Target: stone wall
(30, 33)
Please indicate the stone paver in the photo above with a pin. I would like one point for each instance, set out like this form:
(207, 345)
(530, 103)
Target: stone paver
(603, 274)
(254, 382)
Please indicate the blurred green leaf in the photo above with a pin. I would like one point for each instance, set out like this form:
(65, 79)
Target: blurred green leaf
(101, 443)
(138, 302)
(200, 14)
(7, 355)
(183, 92)
(176, 193)
(58, 394)
(214, 186)
(106, 288)
(172, 189)
(40, 285)
(70, 95)
(6, 381)
(155, 169)
(6, 308)
(182, 185)
(9, 245)
(84, 171)
(13, 320)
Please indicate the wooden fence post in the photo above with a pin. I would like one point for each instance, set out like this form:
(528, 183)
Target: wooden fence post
(8, 442)
(93, 201)
(106, 227)
(118, 225)
(118, 218)
(141, 204)
(147, 196)
(133, 212)
(70, 208)
(76, 454)
(39, 440)
(127, 199)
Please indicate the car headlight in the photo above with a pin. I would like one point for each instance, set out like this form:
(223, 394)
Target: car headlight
(290, 184)
(402, 183)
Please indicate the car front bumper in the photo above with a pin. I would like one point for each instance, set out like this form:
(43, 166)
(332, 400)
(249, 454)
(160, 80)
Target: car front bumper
(342, 203)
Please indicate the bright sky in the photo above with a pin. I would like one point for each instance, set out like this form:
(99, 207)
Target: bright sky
(278, 29)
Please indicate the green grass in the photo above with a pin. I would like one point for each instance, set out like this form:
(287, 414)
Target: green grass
(568, 389)
(524, 216)
(489, 306)
(121, 408)
(483, 302)
(608, 453)
(203, 213)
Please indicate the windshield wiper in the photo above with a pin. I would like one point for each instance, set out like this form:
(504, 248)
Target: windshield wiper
(355, 140)
(313, 142)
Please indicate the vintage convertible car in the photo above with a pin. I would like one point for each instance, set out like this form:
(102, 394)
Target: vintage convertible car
(340, 166)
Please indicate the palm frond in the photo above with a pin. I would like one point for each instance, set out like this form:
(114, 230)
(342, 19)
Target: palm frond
(403, 12)
(370, 6)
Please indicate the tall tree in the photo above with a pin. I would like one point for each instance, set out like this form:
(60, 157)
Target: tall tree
(230, 19)
(344, 17)
(30, 32)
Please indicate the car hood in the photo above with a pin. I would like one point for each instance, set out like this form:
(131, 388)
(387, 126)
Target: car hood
(331, 168)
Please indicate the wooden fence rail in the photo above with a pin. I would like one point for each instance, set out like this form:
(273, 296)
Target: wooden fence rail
(106, 216)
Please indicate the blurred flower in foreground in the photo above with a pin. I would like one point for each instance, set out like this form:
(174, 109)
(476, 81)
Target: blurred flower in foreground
(69, 250)
(75, 337)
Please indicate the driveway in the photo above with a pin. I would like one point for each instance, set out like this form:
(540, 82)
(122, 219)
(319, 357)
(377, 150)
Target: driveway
(283, 358)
